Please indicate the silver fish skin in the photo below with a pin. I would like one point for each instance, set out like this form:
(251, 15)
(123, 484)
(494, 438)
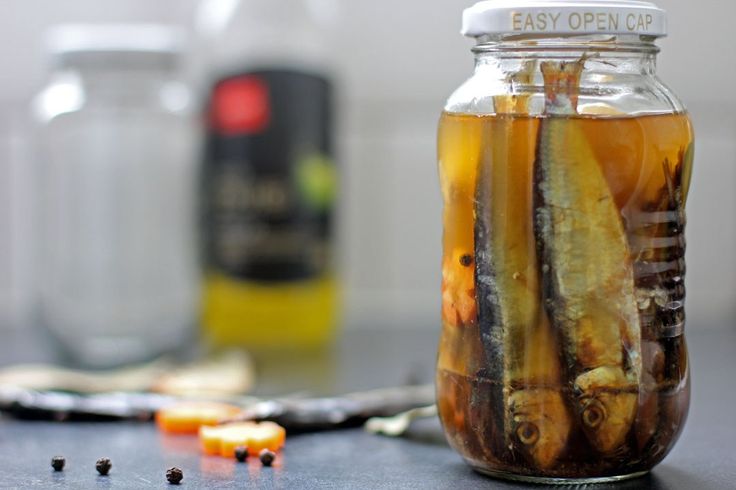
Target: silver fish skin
(587, 272)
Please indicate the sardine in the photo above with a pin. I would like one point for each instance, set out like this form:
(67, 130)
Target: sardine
(587, 272)
(648, 416)
(528, 406)
(539, 419)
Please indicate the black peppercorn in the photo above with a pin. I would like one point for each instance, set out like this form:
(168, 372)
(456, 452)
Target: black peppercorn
(241, 453)
(267, 457)
(174, 475)
(58, 462)
(103, 466)
(466, 260)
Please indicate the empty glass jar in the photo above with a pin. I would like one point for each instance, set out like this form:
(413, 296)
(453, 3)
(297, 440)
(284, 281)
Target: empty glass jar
(119, 275)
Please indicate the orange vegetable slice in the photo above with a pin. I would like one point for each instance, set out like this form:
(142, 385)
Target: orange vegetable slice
(188, 417)
(223, 439)
(458, 291)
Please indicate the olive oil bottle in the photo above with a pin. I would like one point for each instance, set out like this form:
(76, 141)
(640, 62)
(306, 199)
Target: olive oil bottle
(269, 186)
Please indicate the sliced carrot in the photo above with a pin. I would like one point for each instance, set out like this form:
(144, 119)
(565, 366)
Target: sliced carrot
(223, 439)
(188, 417)
(459, 306)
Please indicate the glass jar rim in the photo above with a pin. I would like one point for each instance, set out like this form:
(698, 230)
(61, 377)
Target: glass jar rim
(510, 44)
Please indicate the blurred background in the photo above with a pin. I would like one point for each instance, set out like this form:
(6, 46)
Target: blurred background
(392, 65)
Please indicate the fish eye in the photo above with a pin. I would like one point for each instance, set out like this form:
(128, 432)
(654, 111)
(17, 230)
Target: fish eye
(594, 414)
(527, 433)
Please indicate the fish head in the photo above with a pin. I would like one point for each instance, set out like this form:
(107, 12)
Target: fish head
(540, 425)
(606, 406)
(561, 85)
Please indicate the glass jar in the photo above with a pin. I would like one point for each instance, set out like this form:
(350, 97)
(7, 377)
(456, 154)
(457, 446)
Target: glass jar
(564, 165)
(119, 274)
(17, 224)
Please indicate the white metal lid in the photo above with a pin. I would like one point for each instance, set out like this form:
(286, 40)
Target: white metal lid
(114, 42)
(564, 17)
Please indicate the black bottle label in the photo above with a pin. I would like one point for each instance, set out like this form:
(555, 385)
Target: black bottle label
(269, 178)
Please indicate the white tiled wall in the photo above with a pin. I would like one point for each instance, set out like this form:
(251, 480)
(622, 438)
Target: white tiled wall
(397, 62)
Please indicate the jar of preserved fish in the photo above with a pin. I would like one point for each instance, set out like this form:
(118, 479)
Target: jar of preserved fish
(564, 165)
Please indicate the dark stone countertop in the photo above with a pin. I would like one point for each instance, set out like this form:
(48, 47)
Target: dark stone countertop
(703, 459)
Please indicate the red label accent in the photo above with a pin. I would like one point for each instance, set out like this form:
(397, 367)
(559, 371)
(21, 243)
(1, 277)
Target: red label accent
(240, 106)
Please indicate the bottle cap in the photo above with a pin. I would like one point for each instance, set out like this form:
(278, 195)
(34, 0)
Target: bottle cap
(564, 17)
